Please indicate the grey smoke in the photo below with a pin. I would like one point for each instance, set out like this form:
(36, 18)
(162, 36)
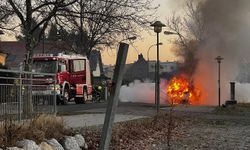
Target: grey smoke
(227, 33)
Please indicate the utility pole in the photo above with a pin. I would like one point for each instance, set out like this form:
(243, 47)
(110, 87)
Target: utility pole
(114, 96)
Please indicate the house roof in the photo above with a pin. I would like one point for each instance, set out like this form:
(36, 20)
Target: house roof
(137, 70)
(16, 50)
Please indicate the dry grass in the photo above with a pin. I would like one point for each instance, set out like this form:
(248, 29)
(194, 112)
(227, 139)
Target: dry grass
(245, 105)
(39, 128)
(238, 109)
(133, 134)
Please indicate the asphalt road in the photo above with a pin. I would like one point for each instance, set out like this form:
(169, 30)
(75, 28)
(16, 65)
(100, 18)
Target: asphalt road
(123, 108)
(126, 108)
(72, 107)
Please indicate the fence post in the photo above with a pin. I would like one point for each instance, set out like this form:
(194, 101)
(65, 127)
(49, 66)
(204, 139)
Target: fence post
(106, 93)
(54, 96)
(20, 97)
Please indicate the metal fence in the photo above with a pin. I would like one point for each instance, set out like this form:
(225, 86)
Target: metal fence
(25, 94)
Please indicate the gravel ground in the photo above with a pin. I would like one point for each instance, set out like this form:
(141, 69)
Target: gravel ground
(209, 131)
(194, 128)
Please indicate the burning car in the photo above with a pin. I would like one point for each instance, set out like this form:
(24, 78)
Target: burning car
(181, 89)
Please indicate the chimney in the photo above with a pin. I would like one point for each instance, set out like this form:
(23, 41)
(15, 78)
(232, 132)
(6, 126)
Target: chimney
(140, 57)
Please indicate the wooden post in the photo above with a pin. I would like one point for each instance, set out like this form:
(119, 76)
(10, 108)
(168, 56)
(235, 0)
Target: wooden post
(114, 97)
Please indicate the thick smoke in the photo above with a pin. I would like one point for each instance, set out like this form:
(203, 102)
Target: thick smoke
(143, 92)
(226, 33)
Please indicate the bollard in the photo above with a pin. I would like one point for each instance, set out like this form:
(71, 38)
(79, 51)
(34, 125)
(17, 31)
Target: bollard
(232, 100)
(232, 89)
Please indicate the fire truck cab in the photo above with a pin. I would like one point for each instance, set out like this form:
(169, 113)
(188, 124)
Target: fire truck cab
(73, 77)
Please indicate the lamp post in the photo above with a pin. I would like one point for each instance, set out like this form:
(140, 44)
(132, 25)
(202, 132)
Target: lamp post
(157, 29)
(219, 59)
(150, 48)
(148, 58)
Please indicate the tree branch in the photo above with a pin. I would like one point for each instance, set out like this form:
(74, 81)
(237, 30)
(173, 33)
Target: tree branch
(16, 10)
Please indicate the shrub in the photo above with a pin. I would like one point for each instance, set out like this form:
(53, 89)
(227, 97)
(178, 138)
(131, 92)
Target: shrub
(39, 128)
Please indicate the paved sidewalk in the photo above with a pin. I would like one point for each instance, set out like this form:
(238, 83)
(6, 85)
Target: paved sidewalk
(84, 120)
(96, 116)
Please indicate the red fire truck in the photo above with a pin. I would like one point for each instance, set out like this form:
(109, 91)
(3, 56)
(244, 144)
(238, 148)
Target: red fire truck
(73, 79)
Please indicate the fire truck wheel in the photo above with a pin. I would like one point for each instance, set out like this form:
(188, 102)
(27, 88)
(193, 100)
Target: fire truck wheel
(78, 100)
(65, 97)
(82, 100)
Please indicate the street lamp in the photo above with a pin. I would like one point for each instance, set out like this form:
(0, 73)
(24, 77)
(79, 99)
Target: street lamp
(150, 48)
(132, 38)
(148, 57)
(157, 29)
(129, 38)
(169, 33)
(219, 59)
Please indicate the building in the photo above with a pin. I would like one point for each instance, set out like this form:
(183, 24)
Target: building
(136, 71)
(15, 51)
(96, 67)
(167, 69)
(108, 70)
(142, 70)
(3, 59)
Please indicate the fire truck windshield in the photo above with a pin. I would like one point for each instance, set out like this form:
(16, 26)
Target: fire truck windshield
(44, 66)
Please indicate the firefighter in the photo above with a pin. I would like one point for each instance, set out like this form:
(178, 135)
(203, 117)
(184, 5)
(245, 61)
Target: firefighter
(99, 88)
(97, 93)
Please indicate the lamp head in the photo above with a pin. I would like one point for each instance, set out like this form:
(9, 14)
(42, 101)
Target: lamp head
(157, 26)
(132, 38)
(168, 32)
(219, 59)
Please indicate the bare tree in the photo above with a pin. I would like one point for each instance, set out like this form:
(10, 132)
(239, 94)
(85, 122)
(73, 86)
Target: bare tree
(191, 33)
(104, 22)
(33, 17)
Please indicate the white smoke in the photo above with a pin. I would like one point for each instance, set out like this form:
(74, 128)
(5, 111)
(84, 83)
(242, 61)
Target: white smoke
(242, 92)
(143, 92)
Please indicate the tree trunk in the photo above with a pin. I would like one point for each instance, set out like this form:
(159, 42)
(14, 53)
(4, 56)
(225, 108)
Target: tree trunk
(27, 101)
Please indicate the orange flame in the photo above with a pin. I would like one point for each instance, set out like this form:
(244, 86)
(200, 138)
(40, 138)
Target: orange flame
(181, 90)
